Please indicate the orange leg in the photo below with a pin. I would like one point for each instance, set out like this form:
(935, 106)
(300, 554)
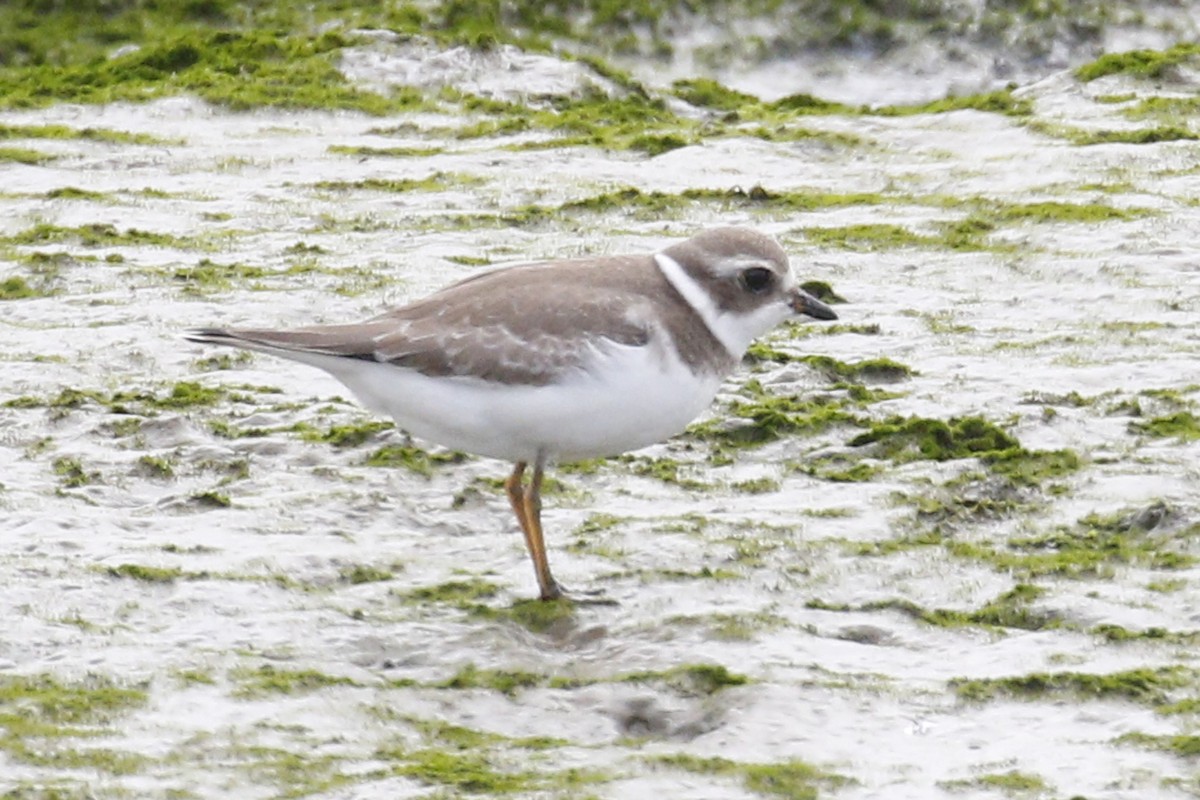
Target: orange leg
(516, 498)
(526, 504)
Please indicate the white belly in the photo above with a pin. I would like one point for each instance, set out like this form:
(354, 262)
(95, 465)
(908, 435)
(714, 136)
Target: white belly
(631, 397)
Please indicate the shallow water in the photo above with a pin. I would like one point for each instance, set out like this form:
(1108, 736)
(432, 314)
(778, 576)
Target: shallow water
(772, 586)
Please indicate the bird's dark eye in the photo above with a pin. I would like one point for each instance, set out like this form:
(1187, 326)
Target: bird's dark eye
(757, 279)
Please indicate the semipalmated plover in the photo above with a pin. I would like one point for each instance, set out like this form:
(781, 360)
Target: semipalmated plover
(558, 360)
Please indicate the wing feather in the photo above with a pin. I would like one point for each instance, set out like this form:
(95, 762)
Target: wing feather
(525, 324)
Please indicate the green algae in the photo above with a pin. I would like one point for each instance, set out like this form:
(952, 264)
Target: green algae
(1183, 745)
(644, 204)
(240, 69)
(74, 193)
(1139, 63)
(1084, 137)
(869, 237)
(196, 677)
(665, 469)
(506, 682)
(1146, 686)
(1010, 783)
(1164, 109)
(71, 473)
(1167, 586)
(412, 458)
(688, 680)
(1053, 211)
(188, 394)
(536, 616)
(459, 737)
(868, 370)
(294, 774)
(461, 593)
(363, 151)
(825, 293)
(96, 759)
(437, 182)
(704, 573)
(97, 234)
(997, 102)
(634, 122)
(210, 498)
(691, 680)
(206, 275)
(60, 132)
(17, 288)
(1010, 610)
(38, 713)
(764, 418)
(24, 155)
(1162, 133)
(969, 234)
(838, 469)
(272, 680)
(357, 574)
(39, 704)
(912, 438)
(756, 486)
(711, 94)
(905, 439)
(793, 779)
(757, 417)
(470, 761)
(968, 499)
(735, 627)
(44, 271)
(1118, 634)
(803, 103)
(344, 435)
(146, 574)
(597, 522)
(1182, 425)
(1093, 543)
(471, 773)
(1032, 467)
(791, 133)
(1091, 547)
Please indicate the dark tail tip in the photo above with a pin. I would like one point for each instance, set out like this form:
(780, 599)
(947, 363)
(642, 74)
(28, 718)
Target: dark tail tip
(208, 335)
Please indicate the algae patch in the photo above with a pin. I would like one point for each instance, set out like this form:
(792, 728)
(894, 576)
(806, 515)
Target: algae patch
(905, 439)
(689, 680)
(268, 680)
(1139, 63)
(1182, 425)
(1010, 610)
(41, 714)
(146, 574)
(1091, 547)
(794, 778)
(1011, 783)
(1147, 686)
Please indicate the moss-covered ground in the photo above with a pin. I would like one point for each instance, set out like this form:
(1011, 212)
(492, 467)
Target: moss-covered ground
(965, 507)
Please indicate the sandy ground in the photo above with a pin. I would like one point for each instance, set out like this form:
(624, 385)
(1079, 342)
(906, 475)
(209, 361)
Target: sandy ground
(273, 667)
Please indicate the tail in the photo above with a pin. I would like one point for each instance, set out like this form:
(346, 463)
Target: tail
(315, 346)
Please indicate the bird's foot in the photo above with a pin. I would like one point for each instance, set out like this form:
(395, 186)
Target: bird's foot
(587, 597)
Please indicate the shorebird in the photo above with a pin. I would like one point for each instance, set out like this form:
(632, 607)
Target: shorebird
(558, 361)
